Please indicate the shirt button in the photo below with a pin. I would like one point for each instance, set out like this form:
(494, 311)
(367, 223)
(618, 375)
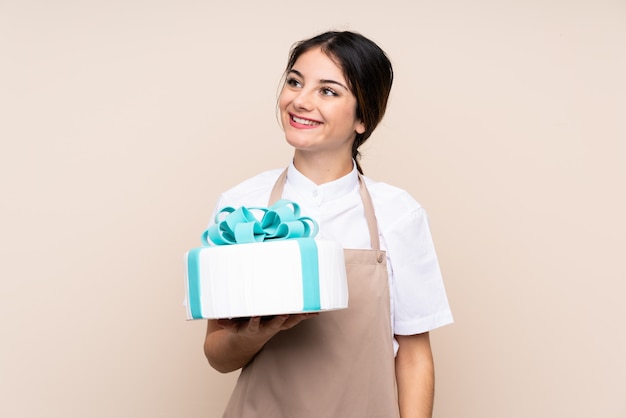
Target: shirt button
(381, 257)
(315, 193)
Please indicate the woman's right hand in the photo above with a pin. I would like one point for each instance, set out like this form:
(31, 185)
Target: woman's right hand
(231, 343)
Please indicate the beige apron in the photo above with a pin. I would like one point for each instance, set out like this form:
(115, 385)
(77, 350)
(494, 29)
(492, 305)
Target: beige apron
(339, 364)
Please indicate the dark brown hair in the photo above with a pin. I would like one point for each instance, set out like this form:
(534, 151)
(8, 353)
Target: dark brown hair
(367, 69)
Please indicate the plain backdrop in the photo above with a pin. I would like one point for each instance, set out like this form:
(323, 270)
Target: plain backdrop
(121, 121)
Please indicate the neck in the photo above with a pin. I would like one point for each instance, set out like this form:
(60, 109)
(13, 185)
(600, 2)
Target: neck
(322, 169)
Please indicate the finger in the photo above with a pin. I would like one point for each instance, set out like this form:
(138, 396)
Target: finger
(277, 322)
(227, 323)
(296, 319)
(253, 324)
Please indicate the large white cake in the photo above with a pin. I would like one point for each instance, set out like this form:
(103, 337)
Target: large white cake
(265, 278)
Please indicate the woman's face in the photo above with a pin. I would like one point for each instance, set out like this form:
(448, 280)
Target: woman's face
(317, 108)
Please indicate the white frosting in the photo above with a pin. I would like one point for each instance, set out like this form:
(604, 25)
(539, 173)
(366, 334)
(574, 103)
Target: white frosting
(266, 279)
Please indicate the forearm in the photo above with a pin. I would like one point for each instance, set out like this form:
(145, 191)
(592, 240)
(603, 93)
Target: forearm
(228, 351)
(415, 376)
(230, 345)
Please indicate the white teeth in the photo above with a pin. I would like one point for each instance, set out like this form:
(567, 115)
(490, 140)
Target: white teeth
(304, 121)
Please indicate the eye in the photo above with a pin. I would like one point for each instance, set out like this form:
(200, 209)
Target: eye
(292, 82)
(327, 91)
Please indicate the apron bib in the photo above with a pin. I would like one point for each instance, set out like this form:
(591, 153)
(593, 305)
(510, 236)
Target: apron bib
(339, 364)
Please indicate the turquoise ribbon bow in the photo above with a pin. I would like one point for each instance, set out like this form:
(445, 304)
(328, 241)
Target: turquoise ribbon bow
(280, 221)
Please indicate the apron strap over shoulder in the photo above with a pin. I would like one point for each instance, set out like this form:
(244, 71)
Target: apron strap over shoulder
(368, 206)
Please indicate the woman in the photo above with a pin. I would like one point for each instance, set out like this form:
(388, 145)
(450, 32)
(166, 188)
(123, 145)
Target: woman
(343, 363)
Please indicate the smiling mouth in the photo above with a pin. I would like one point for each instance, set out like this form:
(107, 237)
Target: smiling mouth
(301, 121)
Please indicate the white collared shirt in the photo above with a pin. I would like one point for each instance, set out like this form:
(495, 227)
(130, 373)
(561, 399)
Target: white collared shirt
(418, 298)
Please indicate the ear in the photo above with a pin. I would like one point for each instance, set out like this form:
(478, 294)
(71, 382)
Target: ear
(360, 127)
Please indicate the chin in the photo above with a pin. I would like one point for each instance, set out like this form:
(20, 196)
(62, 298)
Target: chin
(299, 145)
(298, 142)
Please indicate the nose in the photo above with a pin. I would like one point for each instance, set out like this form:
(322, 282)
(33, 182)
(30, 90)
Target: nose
(303, 100)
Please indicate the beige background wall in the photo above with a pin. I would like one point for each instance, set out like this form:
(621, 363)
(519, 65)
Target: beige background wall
(120, 122)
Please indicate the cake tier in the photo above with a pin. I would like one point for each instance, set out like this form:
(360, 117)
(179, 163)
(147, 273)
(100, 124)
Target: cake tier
(267, 278)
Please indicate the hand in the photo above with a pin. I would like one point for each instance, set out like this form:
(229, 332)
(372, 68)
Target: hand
(231, 343)
(262, 328)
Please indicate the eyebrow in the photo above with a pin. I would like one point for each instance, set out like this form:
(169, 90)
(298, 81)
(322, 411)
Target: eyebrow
(322, 81)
